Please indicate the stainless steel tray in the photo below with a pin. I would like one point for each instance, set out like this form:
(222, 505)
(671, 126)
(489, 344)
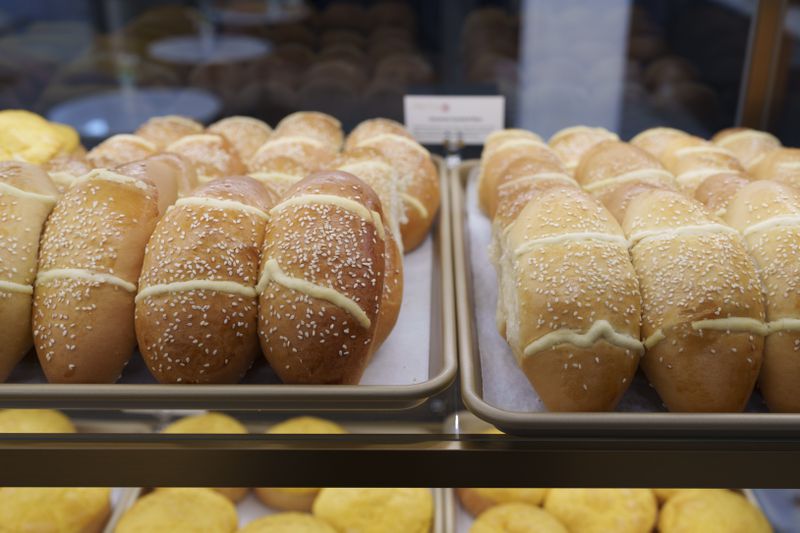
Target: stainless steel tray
(440, 509)
(442, 368)
(643, 425)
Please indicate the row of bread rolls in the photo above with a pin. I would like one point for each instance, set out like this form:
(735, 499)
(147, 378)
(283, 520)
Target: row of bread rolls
(618, 510)
(709, 298)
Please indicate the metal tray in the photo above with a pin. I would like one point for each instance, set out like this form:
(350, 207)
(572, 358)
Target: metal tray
(442, 367)
(579, 425)
(441, 510)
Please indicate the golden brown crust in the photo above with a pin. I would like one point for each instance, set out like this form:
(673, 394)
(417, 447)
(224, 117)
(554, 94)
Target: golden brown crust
(371, 128)
(64, 168)
(204, 333)
(617, 201)
(655, 140)
(211, 155)
(781, 165)
(308, 334)
(748, 145)
(570, 144)
(718, 190)
(245, 134)
(165, 130)
(162, 172)
(308, 152)
(313, 124)
(120, 149)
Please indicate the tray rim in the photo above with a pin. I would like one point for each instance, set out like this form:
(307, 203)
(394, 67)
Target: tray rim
(553, 424)
(275, 397)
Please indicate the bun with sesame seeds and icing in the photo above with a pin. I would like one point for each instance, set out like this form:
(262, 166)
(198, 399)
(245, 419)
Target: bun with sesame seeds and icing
(27, 195)
(571, 143)
(499, 137)
(371, 128)
(418, 183)
(211, 155)
(65, 168)
(196, 309)
(245, 134)
(321, 281)
(306, 151)
(656, 140)
(692, 160)
(703, 311)
(569, 303)
(164, 167)
(718, 190)
(768, 216)
(748, 145)
(89, 262)
(279, 173)
(165, 130)
(781, 165)
(320, 127)
(120, 149)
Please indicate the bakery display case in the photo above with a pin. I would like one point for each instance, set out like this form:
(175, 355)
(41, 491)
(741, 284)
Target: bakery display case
(227, 260)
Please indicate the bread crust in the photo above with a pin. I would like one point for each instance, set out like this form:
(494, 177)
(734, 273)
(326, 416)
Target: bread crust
(717, 191)
(165, 130)
(211, 155)
(245, 134)
(308, 152)
(781, 165)
(655, 140)
(313, 124)
(120, 149)
(371, 128)
(570, 144)
(278, 172)
(747, 144)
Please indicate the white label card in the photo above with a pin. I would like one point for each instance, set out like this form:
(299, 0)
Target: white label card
(435, 119)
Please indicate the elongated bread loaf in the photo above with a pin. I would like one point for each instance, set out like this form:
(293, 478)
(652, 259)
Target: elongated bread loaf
(211, 155)
(656, 140)
(26, 198)
(321, 281)
(120, 149)
(89, 263)
(702, 303)
(371, 128)
(570, 301)
(196, 310)
(571, 143)
(419, 183)
(717, 191)
(748, 145)
(781, 165)
(279, 173)
(768, 216)
(692, 160)
(164, 171)
(314, 125)
(245, 134)
(165, 130)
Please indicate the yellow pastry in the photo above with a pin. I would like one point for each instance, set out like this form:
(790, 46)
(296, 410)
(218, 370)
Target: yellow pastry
(288, 523)
(517, 518)
(34, 421)
(180, 511)
(603, 510)
(26, 136)
(376, 510)
(307, 425)
(54, 510)
(711, 511)
(68, 137)
(477, 501)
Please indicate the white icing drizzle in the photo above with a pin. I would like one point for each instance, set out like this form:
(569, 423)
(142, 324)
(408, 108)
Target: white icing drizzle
(773, 222)
(347, 204)
(601, 329)
(691, 175)
(84, 275)
(541, 176)
(102, 174)
(416, 204)
(230, 287)
(9, 189)
(784, 324)
(669, 233)
(565, 237)
(710, 149)
(733, 323)
(10, 286)
(733, 137)
(644, 174)
(411, 143)
(655, 338)
(272, 272)
(219, 203)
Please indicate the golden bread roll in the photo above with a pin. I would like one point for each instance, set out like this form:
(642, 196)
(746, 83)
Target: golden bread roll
(306, 151)
(180, 511)
(164, 169)
(618, 200)
(372, 168)
(165, 130)
(748, 145)
(662, 495)
(695, 164)
(27, 195)
(65, 168)
(419, 183)
(287, 523)
(196, 309)
(610, 164)
(312, 124)
(90, 259)
(579, 354)
(120, 149)
(655, 140)
(781, 165)
(517, 518)
(322, 272)
(570, 144)
(768, 216)
(603, 510)
(717, 191)
(371, 128)
(35, 421)
(711, 511)
(279, 173)
(500, 137)
(25, 136)
(476, 501)
(503, 166)
(211, 155)
(245, 134)
(296, 498)
(216, 424)
(701, 298)
(376, 510)
(54, 510)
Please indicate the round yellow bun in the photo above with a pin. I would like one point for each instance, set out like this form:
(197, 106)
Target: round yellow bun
(54, 510)
(180, 511)
(517, 518)
(288, 523)
(476, 501)
(34, 421)
(711, 511)
(603, 510)
(307, 425)
(26, 136)
(376, 510)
